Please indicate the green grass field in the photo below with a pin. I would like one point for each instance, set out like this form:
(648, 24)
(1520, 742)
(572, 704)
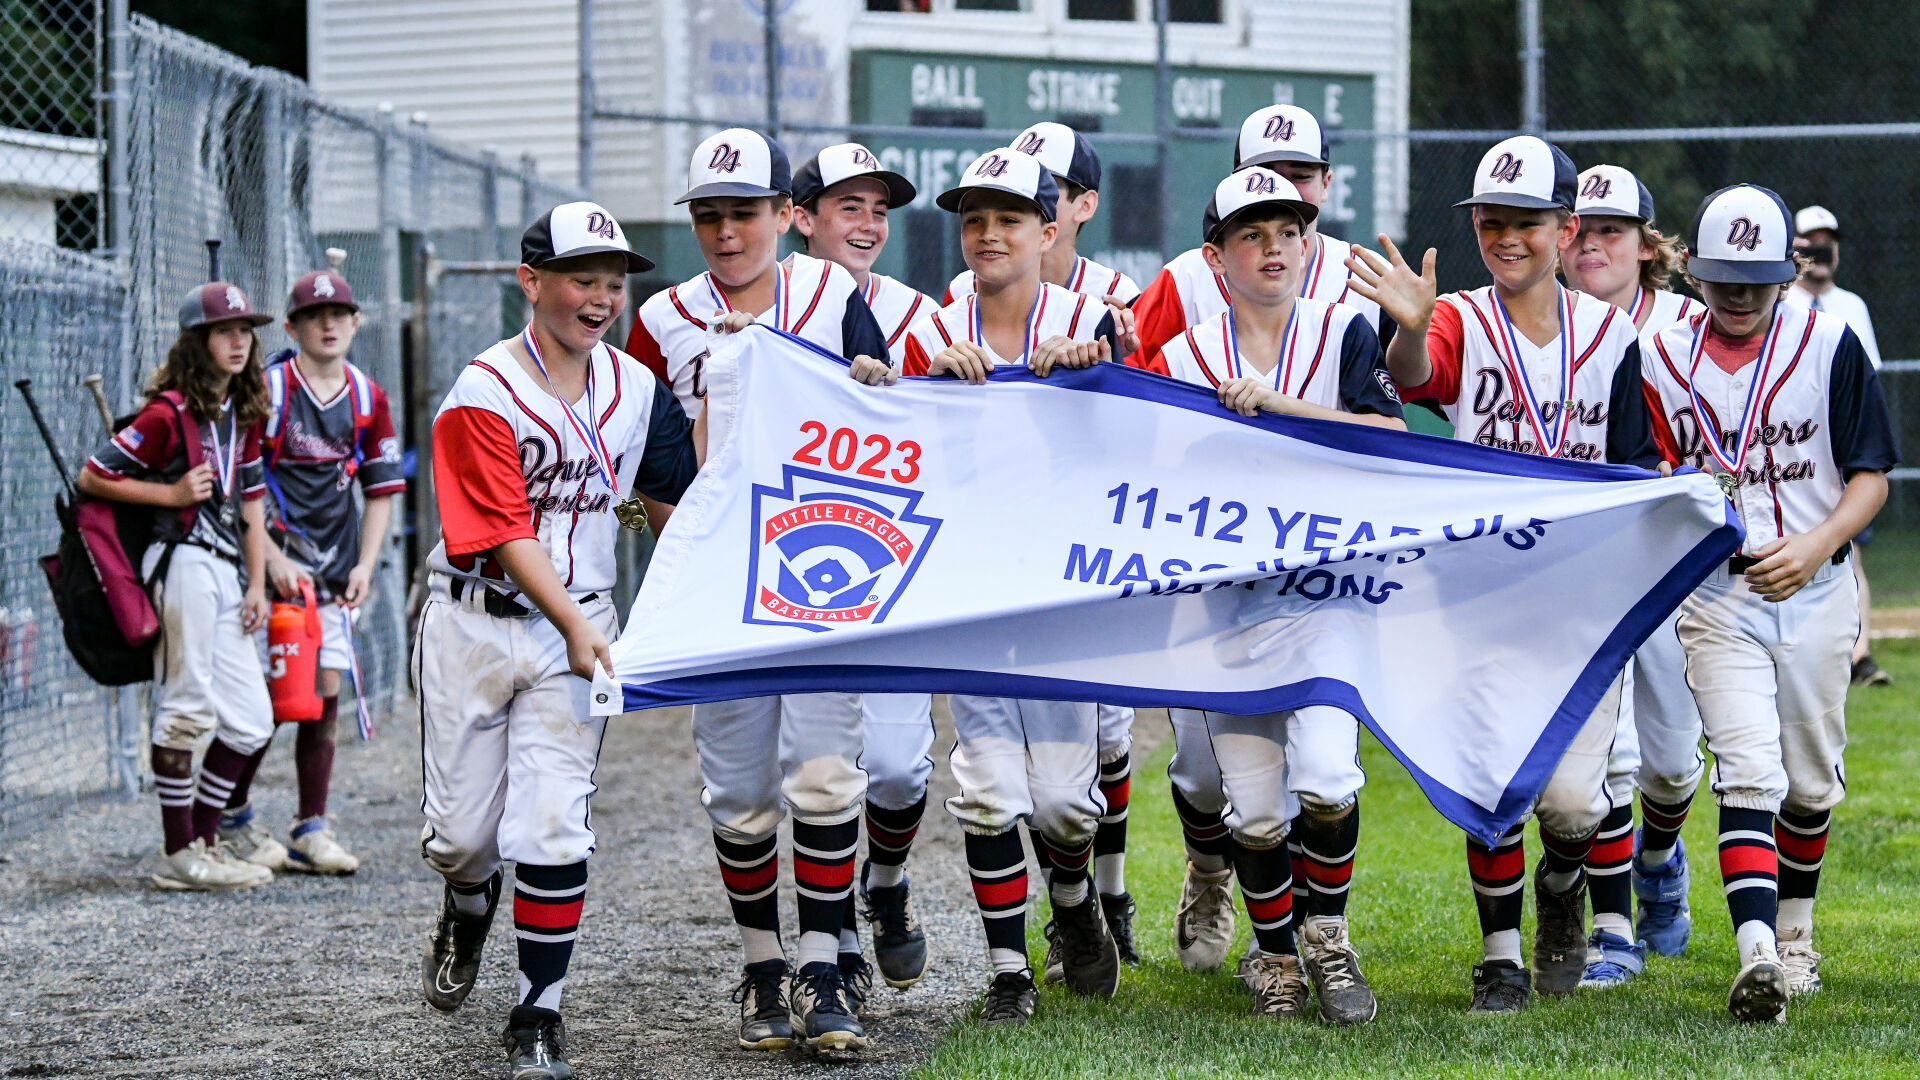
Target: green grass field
(1893, 566)
(1413, 920)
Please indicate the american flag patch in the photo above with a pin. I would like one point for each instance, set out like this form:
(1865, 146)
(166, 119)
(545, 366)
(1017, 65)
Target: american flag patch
(132, 438)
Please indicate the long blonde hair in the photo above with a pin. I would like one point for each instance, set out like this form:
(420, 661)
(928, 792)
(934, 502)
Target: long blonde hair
(1668, 257)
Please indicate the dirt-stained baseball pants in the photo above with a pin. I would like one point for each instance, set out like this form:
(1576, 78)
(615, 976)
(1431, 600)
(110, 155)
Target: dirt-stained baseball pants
(206, 675)
(507, 744)
(763, 757)
(1771, 681)
(1270, 763)
(1023, 759)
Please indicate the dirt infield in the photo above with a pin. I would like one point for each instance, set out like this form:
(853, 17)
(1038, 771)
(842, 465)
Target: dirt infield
(318, 978)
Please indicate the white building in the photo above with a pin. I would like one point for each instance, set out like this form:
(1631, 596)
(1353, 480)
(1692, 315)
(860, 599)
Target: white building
(38, 171)
(506, 73)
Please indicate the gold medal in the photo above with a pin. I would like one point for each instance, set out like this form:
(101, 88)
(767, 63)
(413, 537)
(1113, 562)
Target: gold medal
(631, 514)
(1729, 484)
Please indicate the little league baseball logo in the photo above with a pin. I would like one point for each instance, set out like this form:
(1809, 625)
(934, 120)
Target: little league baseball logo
(832, 549)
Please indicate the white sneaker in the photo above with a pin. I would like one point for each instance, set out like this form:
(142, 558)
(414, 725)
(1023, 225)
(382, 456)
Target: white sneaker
(1759, 994)
(312, 849)
(1248, 969)
(1203, 927)
(1797, 955)
(254, 843)
(198, 868)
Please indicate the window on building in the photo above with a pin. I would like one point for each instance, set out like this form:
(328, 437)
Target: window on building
(911, 7)
(989, 5)
(1195, 11)
(1104, 10)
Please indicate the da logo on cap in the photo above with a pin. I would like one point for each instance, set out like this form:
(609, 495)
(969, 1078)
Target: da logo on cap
(600, 225)
(1596, 187)
(1279, 129)
(1260, 182)
(1506, 169)
(863, 158)
(1743, 234)
(992, 165)
(725, 159)
(1031, 143)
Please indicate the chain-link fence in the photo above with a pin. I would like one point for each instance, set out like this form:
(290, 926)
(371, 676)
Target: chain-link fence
(213, 148)
(51, 151)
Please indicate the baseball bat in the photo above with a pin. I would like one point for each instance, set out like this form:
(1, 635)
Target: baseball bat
(25, 386)
(100, 399)
(336, 258)
(213, 258)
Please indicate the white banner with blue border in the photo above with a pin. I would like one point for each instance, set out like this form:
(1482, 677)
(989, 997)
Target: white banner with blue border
(1111, 535)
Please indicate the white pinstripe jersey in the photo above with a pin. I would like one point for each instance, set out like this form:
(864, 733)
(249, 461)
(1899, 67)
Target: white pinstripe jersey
(1088, 277)
(1203, 293)
(1059, 312)
(896, 307)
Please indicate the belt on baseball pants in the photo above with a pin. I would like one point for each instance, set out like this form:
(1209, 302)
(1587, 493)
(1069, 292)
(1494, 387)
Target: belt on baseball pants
(1740, 564)
(499, 605)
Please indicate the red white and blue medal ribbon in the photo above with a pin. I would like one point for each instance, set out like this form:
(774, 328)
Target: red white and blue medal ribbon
(1282, 367)
(589, 432)
(1749, 413)
(782, 283)
(226, 458)
(1639, 301)
(363, 716)
(1079, 274)
(979, 336)
(1314, 266)
(1523, 385)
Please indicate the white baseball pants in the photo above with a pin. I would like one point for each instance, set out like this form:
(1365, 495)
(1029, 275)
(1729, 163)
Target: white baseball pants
(507, 745)
(762, 757)
(1270, 763)
(1019, 758)
(897, 747)
(1658, 746)
(1771, 681)
(1116, 732)
(206, 677)
(1575, 800)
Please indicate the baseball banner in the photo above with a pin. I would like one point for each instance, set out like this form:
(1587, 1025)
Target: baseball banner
(1110, 535)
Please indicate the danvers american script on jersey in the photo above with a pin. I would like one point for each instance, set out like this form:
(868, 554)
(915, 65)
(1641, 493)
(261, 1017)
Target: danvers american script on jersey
(1114, 536)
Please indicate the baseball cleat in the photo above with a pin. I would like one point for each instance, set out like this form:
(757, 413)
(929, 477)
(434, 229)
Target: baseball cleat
(1089, 958)
(1612, 961)
(1759, 994)
(1010, 1001)
(1868, 673)
(251, 841)
(1559, 935)
(1665, 921)
(312, 849)
(1334, 966)
(899, 944)
(1244, 971)
(451, 962)
(1119, 909)
(857, 976)
(818, 1012)
(1797, 955)
(1203, 925)
(536, 1043)
(1052, 971)
(1500, 986)
(1279, 986)
(762, 996)
(199, 868)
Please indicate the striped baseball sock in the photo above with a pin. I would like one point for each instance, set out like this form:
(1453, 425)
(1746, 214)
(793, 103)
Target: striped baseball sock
(173, 777)
(1297, 861)
(850, 926)
(823, 876)
(1497, 873)
(1110, 839)
(1660, 825)
(1562, 861)
(1607, 879)
(998, 866)
(219, 771)
(1802, 840)
(751, 873)
(1067, 884)
(1327, 847)
(1749, 873)
(242, 792)
(313, 758)
(1205, 834)
(546, 918)
(890, 836)
(1266, 887)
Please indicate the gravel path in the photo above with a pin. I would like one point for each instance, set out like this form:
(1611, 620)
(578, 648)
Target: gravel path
(318, 978)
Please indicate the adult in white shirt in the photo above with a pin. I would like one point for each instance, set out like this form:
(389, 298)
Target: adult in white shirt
(1817, 237)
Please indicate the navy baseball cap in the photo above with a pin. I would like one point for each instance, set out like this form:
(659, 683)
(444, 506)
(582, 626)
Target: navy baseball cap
(218, 301)
(739, 162)
(1742, 235)
(1280, 133)
(1611, 191)
(1064, 153)
(1250, 187)
(1009, 171)
(1525, 171)
(574, 229)
(843, 162)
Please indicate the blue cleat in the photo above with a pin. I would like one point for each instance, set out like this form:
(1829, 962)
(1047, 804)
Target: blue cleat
(1612, 961)
(1665, 921)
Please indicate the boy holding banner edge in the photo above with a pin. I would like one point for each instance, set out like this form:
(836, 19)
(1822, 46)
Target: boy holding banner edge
(1020, 760)
(1526, 365)
(1322, 360)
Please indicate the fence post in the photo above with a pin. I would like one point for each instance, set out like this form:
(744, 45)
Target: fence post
(394, 356)
(273, 169)
(1162, 116)
(490, 203)
(1533, 109)
(772, 47)
(530, 204)
(585, 182)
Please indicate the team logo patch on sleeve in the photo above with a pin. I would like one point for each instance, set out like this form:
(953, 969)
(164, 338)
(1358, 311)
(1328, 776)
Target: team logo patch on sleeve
(832, 549)
(1387, 383)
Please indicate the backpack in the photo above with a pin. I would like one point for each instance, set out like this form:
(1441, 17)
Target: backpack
(95, 572)
(360, 392)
